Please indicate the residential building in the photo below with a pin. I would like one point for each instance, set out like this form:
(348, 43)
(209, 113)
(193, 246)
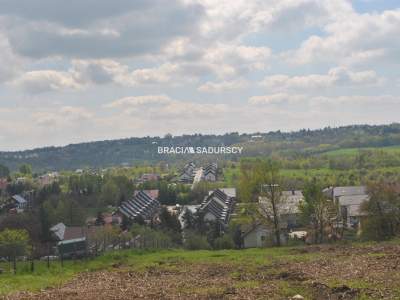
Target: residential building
(47, 179)
(3, 184)
(260, 235)
(140, 205)
(148, 177)
(210, 172)
(287, 207)
(151, 193)
(348, 200)
(218, 206)
(19, 203)
(75, 240)
(188, 173)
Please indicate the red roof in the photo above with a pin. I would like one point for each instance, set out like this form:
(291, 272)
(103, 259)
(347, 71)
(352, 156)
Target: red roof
(3, 183)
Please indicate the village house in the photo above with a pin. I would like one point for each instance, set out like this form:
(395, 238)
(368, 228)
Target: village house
(188, 173)
(16, 204)
(47, 179)
(3, 184)
(210, 172)
(288, 208)
(348, 200)
(148, 177)
(151, 193)
(141, 205)
(263, 235)
(75, 240)
(218, 206)
(260, 235)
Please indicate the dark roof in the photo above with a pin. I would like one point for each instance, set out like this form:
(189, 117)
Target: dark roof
(211, 168)
(219, 204)
(140, 205)
(77, 232)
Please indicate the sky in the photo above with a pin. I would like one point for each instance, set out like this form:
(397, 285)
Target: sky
(84, 70)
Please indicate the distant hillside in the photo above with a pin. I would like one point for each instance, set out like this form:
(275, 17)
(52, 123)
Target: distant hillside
(144, 150)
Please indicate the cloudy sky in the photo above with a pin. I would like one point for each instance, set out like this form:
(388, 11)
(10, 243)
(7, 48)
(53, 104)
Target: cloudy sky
(83, 70)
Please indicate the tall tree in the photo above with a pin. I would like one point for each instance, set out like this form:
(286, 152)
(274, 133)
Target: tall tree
(315, 209)
(4, 171)
(25, 169)
(260, 187)
(383, 210)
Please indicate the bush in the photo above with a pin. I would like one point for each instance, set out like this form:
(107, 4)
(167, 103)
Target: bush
(195, 242)
(224, 242)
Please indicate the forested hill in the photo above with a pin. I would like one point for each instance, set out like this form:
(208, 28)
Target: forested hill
(144, 150)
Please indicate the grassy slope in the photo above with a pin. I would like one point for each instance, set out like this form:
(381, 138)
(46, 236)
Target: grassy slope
(354, 151)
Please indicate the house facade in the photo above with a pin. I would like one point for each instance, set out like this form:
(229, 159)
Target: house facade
(218, 206)
(260, 236)
(288, 207)
(349, 201)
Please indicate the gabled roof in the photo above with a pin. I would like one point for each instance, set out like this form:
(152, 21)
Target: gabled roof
(345, 191)
(287, 204)
(19, 199)
(140, 205)
(219, 204)
(152, 193)
(78, 232)
(58, 230)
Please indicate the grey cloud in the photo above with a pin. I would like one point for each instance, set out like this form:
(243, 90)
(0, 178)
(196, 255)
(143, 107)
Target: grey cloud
(72, 12)
(135, 32)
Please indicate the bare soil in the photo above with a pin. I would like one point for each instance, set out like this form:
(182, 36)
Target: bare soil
(330, 272)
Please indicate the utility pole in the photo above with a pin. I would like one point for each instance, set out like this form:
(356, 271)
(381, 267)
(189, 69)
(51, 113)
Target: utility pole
(273, 189)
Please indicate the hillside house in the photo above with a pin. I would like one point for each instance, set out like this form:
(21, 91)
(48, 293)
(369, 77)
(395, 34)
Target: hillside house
(140, 205)
(288, 207)
(260, 235)
(148, 177)
(47, 179)
(3, 184)
(19, 203)
(151, 193)
(218, 206)
(188, 173)
(348, 200)
(75, 240)
(210, 172)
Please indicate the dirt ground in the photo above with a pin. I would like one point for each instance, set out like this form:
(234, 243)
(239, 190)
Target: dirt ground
(334, 272)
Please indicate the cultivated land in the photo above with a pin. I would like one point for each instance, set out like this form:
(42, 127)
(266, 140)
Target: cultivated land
(358, 271)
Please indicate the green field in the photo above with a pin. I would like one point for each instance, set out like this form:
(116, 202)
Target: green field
(355, 151)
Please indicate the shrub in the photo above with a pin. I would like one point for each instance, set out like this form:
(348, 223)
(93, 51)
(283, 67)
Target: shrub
(195, 242)
(224, 242)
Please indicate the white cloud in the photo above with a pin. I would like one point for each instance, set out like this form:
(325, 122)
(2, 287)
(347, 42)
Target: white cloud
(162, 106)
(310, 100)
(335, 77)
(46, 80)
(9, 63)
(223, 86)
(353, 39)
(279, 98)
